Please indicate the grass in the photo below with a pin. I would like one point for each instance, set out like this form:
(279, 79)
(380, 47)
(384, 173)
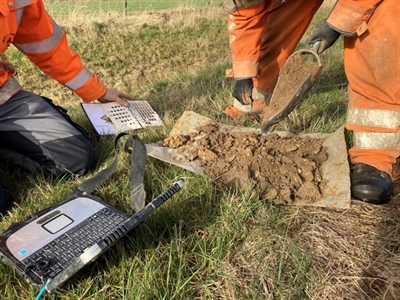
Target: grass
(206, 242)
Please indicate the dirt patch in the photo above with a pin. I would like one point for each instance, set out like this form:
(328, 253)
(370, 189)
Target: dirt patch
(283, 169)
(291, 77)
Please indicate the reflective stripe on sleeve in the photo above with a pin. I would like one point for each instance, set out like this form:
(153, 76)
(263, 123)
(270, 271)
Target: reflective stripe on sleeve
(18, 14)
(79, 80)
(22, 3)
(44, 45)
(230, 29)
(8, 89)
(232, 5)
(374, 118)
(376, 140)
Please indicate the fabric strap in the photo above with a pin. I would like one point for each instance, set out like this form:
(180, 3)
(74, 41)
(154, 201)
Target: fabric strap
(137, 149)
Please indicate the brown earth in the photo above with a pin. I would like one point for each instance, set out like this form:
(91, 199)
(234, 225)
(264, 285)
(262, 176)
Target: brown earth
(283, 169)
(293, 84)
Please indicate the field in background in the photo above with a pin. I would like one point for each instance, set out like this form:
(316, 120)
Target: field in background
(124, 7)
(128, 7)
(206, 242)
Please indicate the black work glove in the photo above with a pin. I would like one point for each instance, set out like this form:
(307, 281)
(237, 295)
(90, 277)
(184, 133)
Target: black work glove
(323, 34)
(242, 90)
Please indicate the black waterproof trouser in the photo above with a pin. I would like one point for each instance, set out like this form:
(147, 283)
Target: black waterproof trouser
(5, 200)
(39, 136)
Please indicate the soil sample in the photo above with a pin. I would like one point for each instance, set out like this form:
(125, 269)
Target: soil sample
(284, 170)
(297, 76)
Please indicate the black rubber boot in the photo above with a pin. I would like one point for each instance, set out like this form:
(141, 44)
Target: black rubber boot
(370, 185)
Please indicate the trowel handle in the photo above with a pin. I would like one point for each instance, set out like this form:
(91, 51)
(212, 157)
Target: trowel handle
(313, 52)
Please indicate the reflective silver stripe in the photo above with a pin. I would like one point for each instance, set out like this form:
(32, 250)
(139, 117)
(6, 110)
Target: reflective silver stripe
(44, 45)
(22, 3)
(232, 5)
(8, 89)
(79, 80)
(374, 117)
(18, 14)
(231, 26)
(376, 140)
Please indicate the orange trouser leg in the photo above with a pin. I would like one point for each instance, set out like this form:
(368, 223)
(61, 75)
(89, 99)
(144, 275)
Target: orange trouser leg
(262, 38)
(286, 26)
(372, 65)
(245, 26)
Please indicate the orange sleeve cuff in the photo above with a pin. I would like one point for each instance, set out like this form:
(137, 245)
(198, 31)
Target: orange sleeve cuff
(351, 17)
(244, 68)
(93, 89)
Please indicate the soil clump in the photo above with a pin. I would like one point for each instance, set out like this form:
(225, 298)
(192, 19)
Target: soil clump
(291, 76)
(284, 170)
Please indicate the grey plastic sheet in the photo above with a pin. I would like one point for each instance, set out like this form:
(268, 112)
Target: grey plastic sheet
(335, 170)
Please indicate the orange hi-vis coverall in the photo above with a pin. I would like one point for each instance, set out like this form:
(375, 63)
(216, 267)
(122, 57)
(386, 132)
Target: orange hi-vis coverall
(26, 25)
(262, 35)
(371, 30)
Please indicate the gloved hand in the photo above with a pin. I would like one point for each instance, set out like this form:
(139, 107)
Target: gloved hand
(323, 34)
(242, 90)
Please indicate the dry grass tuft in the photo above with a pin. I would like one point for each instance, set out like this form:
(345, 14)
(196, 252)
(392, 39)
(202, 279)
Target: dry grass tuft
(352, 254)
(355, 252)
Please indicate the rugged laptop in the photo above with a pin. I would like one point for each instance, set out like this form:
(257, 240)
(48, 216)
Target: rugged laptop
(49, 247)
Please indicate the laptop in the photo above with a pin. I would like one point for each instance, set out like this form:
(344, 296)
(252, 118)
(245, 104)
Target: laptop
(51, 246)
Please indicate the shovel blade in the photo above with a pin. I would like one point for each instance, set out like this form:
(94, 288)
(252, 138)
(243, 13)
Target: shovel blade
(296, 72)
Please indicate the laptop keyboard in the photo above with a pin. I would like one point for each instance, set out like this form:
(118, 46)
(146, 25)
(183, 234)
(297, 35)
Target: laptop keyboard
(58, 254)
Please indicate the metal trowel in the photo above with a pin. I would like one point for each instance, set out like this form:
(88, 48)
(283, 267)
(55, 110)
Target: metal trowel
(294, 82)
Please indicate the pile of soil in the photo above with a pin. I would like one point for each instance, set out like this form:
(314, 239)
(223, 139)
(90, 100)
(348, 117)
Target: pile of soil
(284, 170)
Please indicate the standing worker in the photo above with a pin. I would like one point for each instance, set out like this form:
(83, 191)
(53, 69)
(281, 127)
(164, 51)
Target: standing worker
(262, 35)
(371, 30)
(34, 133)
